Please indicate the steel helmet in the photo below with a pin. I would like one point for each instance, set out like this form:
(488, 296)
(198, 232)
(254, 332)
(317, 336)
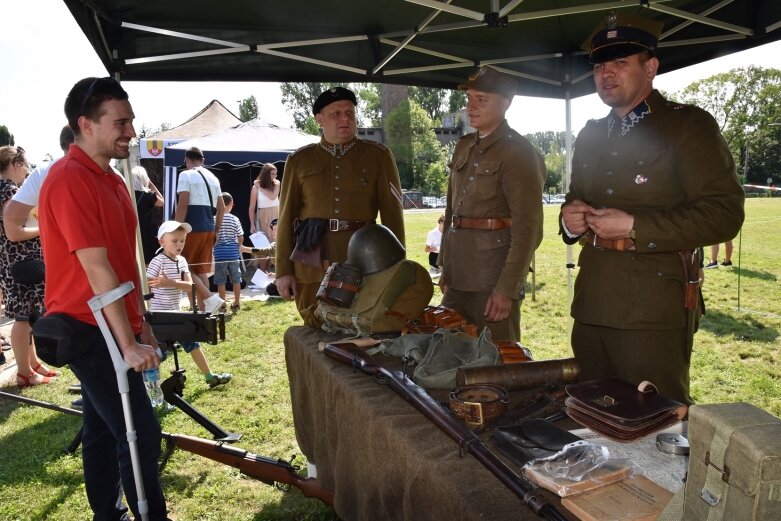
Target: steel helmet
(374, 248)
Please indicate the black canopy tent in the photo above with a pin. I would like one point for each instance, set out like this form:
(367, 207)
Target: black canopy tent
(414, 42)
(430, 43)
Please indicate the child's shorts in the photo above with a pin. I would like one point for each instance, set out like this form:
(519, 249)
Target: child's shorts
(189, 347)
(224, 268)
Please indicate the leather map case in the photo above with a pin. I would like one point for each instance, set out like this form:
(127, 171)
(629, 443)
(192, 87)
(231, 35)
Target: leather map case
(531, 439)
(620, 411)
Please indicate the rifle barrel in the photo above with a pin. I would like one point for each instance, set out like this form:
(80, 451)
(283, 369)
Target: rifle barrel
(255, 466)
(449, 424)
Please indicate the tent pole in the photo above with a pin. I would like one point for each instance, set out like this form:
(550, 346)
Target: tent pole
(568, 146)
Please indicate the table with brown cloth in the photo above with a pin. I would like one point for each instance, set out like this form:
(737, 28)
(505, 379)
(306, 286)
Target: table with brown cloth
(381, 457)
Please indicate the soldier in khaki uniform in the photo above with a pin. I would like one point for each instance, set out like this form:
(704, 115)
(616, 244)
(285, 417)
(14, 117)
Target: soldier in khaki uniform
(493, 219)
(651, 182)
(342, 179)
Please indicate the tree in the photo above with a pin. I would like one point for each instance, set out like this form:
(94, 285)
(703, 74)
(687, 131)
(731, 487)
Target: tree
(456, 101)
(744, 102)
(248, 109)
(299, 98)
(147, 131)
(552, 147)
(6, 138)
(419, 156)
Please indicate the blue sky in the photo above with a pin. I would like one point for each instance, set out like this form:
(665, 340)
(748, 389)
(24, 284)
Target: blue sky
(45, 53)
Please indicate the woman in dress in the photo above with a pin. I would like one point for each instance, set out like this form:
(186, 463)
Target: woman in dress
(264, 200)
(21, 299)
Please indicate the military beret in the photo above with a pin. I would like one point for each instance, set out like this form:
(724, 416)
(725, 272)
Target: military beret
(621, 35)
(331, 95)
(488, 79)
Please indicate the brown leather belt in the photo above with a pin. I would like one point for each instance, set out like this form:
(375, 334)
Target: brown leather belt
(491, 223)
(336, 225)
(607, 244)
(477, 404)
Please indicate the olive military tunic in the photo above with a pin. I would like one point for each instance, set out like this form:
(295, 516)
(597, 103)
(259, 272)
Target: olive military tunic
(501, 175)
(353, 181)
(668, 165)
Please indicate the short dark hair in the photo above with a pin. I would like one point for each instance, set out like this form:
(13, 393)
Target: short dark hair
(86, 97)
(226, 198)
(194, 154)
(66, 138)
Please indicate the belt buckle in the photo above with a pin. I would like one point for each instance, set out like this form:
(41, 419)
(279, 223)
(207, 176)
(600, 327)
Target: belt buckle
(454, 220)
(333, 225)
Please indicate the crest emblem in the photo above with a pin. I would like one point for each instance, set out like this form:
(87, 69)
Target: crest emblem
(640, 180)
(154, 147)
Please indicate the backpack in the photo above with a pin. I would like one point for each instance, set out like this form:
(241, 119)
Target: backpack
(384, 303)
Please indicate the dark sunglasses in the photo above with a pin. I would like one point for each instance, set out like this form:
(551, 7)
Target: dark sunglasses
(95, 87)
(19, 157)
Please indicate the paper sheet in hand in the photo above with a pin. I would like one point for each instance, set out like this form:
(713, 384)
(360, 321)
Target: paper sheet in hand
(262, 279)
(259, 240)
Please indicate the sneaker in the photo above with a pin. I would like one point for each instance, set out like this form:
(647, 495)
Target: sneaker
(216, 379)
(212, 304)
(726, 263)
(77, 404)
(712, 264)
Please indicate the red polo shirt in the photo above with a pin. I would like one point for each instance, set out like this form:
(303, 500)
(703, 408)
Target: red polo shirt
(84, 206)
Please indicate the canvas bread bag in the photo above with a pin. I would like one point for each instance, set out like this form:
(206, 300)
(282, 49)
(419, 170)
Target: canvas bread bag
(734, 466)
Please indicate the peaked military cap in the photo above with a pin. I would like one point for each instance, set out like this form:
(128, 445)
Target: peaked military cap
(621, 35)
(488, 79)
(331, 95)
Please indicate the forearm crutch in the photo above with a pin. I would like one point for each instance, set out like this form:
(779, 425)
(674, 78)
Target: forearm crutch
(96, 304)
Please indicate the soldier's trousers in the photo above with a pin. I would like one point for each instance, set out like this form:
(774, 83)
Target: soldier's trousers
(657, 355)
(471, 304)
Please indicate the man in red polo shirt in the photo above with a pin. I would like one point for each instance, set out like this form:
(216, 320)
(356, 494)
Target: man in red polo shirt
(88, 223)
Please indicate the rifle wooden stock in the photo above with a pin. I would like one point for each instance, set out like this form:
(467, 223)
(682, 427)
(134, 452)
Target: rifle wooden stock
(264, 469)
(467, 440)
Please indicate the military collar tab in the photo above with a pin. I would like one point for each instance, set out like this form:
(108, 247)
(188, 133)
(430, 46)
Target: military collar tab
(628, 122)
(338, 150)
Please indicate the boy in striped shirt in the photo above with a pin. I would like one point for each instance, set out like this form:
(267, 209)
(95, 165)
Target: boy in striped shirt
(169, 276)
(227, 253)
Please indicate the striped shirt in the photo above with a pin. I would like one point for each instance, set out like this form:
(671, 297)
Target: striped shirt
(167, 299)
(227, 246)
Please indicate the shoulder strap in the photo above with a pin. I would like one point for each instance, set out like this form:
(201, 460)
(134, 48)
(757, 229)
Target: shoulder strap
(208, 188)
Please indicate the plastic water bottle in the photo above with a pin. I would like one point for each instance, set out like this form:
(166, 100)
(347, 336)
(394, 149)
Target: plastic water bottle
(152, 383)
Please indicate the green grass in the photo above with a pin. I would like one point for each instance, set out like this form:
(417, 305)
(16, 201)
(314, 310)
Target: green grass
(736, 357)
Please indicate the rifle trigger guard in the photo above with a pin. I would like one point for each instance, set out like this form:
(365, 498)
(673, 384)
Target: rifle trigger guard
(380, 378)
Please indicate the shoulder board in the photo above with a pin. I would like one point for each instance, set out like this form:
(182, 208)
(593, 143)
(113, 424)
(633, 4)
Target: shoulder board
(374, 143)
(303, 148)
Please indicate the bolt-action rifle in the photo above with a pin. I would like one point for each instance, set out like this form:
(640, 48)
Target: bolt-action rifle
(467, 440)
(264, 469)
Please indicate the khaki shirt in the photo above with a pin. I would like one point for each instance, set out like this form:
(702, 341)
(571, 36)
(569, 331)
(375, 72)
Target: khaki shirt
(358, 185)
(501, 175)
(674, 172)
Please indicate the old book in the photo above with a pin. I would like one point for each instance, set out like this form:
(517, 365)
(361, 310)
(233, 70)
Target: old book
(634, 499)
(610, 472)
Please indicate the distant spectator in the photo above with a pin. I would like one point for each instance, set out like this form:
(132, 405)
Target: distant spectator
(264, 200)
(227, 253)
(149, 200)
(433, 241)
(714, 255)
(200, 206)
(22, 298)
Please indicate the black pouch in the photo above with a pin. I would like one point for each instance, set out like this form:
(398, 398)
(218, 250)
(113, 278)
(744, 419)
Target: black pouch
(60, 338)
(531, 439)
(28, 271)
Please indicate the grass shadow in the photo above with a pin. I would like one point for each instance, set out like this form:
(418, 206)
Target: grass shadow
(747, 329)
(754, 274)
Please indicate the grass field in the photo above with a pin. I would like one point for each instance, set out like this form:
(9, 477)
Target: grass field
(736, 358)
